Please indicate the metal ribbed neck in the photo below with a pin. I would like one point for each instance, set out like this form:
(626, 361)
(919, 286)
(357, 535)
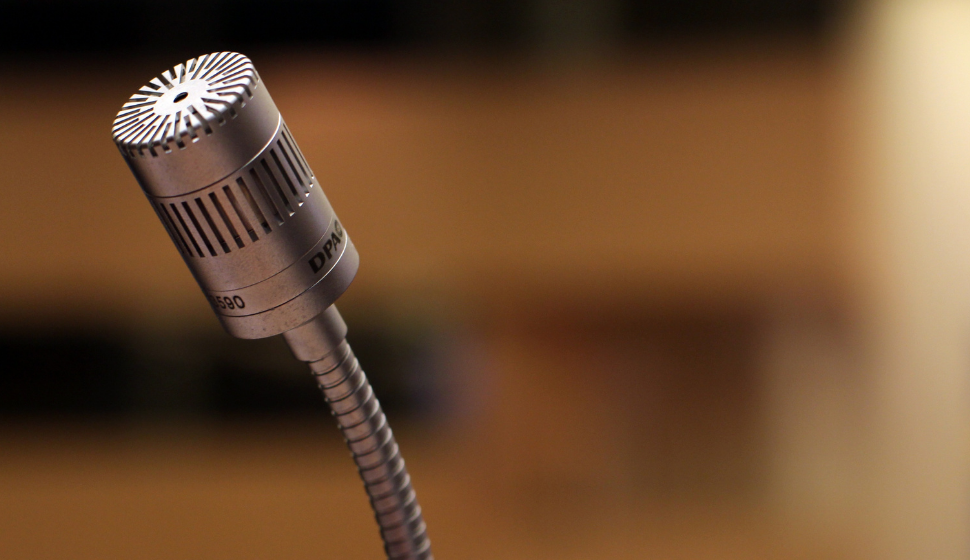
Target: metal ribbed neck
(185, 104)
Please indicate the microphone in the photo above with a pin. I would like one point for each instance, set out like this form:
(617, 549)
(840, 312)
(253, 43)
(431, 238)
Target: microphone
(226, 178)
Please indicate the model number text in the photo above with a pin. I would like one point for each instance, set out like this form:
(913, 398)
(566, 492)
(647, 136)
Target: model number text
(226, 302)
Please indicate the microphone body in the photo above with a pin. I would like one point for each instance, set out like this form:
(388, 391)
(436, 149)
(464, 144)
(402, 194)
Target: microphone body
(225, 176)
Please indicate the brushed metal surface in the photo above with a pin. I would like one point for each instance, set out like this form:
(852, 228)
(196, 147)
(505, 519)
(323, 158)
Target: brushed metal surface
(230, 185)
(321, 344)
(240, 202)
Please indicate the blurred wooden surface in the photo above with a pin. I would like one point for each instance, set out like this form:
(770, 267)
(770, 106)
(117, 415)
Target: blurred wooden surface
(559, 209)
(690, 177)
(285, 493)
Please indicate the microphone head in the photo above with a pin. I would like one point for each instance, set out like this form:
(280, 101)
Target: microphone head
(225, 176)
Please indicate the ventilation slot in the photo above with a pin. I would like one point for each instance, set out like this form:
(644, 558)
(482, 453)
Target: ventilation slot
(172, 229)
(276, 185)
(286, 177)
(230, 216)
(188, 232)
(225, 219)
(212, 225)
(252, 206)
(198, 229)
(201, 119)
(300, 160)
(296, 174)
(261, 188)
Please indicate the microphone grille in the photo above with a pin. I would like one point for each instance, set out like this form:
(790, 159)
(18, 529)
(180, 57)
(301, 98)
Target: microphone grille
(184, 105)
(209, 148)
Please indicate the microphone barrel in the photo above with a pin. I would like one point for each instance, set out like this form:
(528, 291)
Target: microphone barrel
(229, 183)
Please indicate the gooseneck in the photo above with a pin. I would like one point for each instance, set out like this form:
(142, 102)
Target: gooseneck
(322, 345)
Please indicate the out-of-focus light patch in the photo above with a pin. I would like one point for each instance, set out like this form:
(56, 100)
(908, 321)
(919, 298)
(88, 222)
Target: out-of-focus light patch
(917, 77)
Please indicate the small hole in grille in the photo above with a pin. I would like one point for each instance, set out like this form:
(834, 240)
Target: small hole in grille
(296, 174)
(241, 214)
(276, 185)
(225, 219)
(212, 225)
(185, 228)
(252, 205)
(198, 229)
(300, 160)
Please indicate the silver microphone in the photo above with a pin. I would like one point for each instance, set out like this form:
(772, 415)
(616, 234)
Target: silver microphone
(225, 176)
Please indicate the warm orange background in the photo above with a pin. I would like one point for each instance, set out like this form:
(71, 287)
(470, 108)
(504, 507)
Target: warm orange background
(645, 261)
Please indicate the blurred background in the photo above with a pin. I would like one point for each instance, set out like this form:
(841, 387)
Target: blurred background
(639, 280)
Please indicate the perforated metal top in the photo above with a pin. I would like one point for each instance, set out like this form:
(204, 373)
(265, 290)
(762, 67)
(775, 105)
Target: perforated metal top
(185, 104)
(196, 124)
